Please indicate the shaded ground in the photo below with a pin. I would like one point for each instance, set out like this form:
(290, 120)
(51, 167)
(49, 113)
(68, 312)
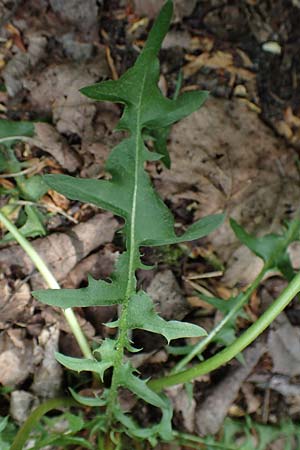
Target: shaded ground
(238, 154)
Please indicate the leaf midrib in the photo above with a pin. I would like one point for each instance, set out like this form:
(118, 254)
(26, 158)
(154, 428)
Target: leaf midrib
(132, 241)
(131, 269)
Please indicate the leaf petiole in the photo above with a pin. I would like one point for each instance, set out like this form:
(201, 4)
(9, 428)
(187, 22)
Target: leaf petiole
(239, 345)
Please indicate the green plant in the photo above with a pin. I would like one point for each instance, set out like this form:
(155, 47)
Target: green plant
(28, 190)
(148, 222)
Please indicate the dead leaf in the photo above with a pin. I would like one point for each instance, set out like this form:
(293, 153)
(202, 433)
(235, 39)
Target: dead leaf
(83, 16)
(284, 346)
(22, 403)
(21, 63)
(211, 413)
(252, 400)
(150, 8)
(167, 296)
(202, 43)
(14, 303)
(48, 376)
(177, 38)
(56, 89)
(291, 118)
(59, 200)
(99, 265)
(217, 60)
(16, 357)
(49, 140)
(62, 251)
(238, 166)
(16, 36)
(183, 405)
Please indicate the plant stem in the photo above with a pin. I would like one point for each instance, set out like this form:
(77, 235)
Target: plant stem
(185, 439)
(132, 250)
(51, 281)
(198, 349)
(239, 345)
(35, 416)
(14, 138)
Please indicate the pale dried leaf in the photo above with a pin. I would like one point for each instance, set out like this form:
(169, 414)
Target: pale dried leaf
(211, 413)
(48, 376)
(48, 139)
(284, 346)
(238, 166)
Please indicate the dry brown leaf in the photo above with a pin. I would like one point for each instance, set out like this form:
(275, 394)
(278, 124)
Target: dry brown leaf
(14, 304)
(183, 405)
(22, 403)
(284, 346)
(48, 376)
(56, 89)
(62, 251)
(18, 350)
(16, 36)
(225, 158)
(252, 400)
(217, 60)
(151, 8)
(82, 15)
(59, 199)
(48, 139)
(211, 413)
(167, 296)
(291, 118)
(203, 43)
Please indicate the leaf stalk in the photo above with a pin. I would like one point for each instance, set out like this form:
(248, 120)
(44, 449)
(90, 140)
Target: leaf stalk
(239, 345)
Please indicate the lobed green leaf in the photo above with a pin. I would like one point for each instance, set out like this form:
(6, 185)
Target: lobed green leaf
(141, 314)
(272, 248)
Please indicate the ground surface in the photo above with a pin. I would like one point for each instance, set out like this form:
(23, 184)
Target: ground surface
(238, 154)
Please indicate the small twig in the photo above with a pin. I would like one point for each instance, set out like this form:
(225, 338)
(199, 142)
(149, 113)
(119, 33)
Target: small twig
(111, 63)
(266, 406)
(199, 276)
(198, 287)
(52, 208)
